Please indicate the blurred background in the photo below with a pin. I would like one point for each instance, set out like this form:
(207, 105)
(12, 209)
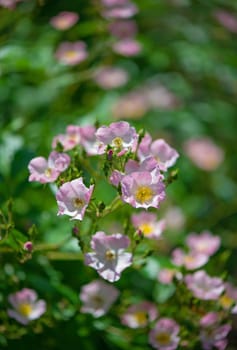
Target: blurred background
(166, 66)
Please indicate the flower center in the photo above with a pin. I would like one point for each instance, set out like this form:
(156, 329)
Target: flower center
(110, 255)
(73, 137)
(71, 54)
(163, 338)
(188, 259)
(202, 246)
(141, 318)
(78, 202)
(144, 194)
(117, 142)
(146, 229)
(62, 23)
(97, 301)
(226, 301)
(25, 309)
(48, 172)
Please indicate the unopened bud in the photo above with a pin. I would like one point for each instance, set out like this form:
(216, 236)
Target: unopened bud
(138, 235)
(75, 230)
(110, 154)
(28, 246)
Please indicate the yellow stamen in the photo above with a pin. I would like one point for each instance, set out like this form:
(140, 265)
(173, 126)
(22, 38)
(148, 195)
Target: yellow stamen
(110, 255)
(48, 172)
(97, 301)
(25, 309)
(144, 194)
(225, 301)
(78, 203)
(117, 142)
(189, 259)
(163, 338)
(141, 318)
(70, 54)
(146, 229)
(73, 137)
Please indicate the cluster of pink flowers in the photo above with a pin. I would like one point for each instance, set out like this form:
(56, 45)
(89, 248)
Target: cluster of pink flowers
(97, 297)
(137, 167)
(136, 103)
(121, 26)
(213, 334)
(201, 247)
(213, 326)
(68, 53)
(139, 183)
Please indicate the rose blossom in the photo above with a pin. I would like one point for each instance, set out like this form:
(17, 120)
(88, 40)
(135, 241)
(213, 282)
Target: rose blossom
(174, 218)
(139, 315)
(210, 319)
(73, 198)
(110, 77)
(204, 153)
(64, 20)
(26, 307)
(204, 243)
(148, 224)
(71, 53)
(213, 334)
(127, 47)
(126, 11)
(203, 286)
(97, 297)
(227, 19)
(166, 275)
(108, 256)
(165, 155)
(149, 164)
(191, 260)
(47, 170)
(123, 28)
(133, 105)
(69, 140)
(142, 190)
(164, 336)
(159, 96)
(119, 135)
(89, 141)
(229, 299)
